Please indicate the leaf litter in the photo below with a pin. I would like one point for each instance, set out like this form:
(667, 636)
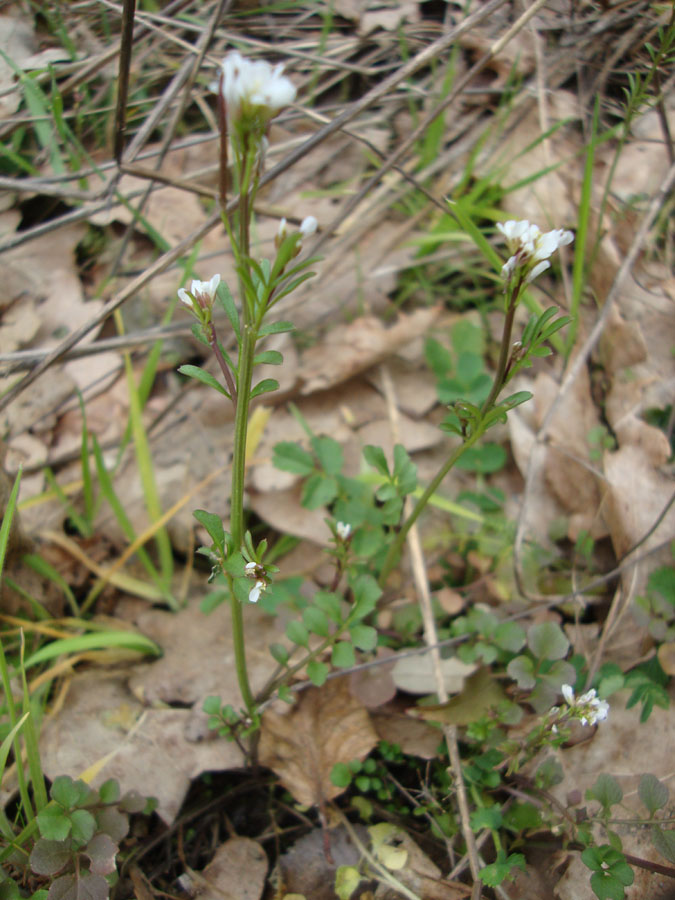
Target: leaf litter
(148, 716)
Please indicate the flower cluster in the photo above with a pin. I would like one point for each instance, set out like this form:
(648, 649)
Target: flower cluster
(253, 89)
(201, 295)
(531, 248)
(587, 708)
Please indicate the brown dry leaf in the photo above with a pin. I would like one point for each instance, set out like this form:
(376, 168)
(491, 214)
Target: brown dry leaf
(198, 657)
(327, 725)
(283, 511)
(149, 747)
(636, 495)
(414, 736)
(238, 871)
(169, 746)
(306, 872)
(666, 654)
(570, 480)
(415, 674)
(388, 17)
(349, 349)
(421, 875)
(374, 685)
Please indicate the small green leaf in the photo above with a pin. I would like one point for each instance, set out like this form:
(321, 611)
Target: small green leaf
(606, 790)
(49, 857)
(269, 358)
(69, 793)
(84, 826)
(317, 672)
(280, 653)
(486, 459)
(224, 294)
(363, 636)
(375, 457)
(342, 656)
(510, 636)
(664, 841)
(296, 632)
(205, 377)
(329, 454)
(319, 490)
(213, 525)
(316, 621)
(109, 792)
(547, 641)
(653, 793)
(521, 669)
(366, 594)
(290, 457)
(347, 879)
(53, 823)
(266, 386)
(330, 604)
(275, 328)
(102, 851)
(341, 775)
(488, 817)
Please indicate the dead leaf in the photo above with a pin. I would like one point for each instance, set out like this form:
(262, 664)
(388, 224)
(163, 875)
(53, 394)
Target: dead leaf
(349, 349)
(327, 725)
(636, 495)
(374, 685)
(420, 875)
(666, 654)
(415, 674)
(154, 757)
(306, 872)
(414, 736)
(238, 871)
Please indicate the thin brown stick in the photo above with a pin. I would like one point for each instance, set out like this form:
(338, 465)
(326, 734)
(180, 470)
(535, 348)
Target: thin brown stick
(126, 45)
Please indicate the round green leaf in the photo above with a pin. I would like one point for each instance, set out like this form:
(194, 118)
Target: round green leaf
(317, 672)
(343, 655)
(547, 641)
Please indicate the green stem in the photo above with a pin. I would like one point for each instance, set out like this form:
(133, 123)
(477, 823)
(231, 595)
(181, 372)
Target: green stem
(498, 383)
(237, 503)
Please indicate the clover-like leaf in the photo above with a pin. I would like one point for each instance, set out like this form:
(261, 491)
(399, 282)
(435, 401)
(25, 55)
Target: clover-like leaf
(547, 641)
(49, 857)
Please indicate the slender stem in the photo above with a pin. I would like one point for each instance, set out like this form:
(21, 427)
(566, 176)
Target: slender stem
(504, 351)
(395, 549)
(245, 376)
(498, 383)
(237, 502)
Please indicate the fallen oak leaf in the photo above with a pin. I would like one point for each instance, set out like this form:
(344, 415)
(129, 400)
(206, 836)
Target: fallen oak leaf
(328, 725)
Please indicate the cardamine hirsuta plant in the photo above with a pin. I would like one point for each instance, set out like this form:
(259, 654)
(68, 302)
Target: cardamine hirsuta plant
(250, 94)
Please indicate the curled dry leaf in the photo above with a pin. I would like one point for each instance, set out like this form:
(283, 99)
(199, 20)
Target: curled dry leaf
(349, 349)
(328, 725)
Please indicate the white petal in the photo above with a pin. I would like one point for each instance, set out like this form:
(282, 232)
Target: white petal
(185, 298)
(538, 269)
(308, 226)
(213, 286)
(568, 693)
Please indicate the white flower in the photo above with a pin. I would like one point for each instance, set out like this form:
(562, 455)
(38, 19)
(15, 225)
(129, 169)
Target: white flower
(282, 231)
(343, 530)
(201, 291)
(588, 708)
(530, 247)
(308, 226)
(253, 87)
(256, 591)
(250, 566)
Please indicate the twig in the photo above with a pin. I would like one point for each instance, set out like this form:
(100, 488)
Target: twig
(431, 639)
